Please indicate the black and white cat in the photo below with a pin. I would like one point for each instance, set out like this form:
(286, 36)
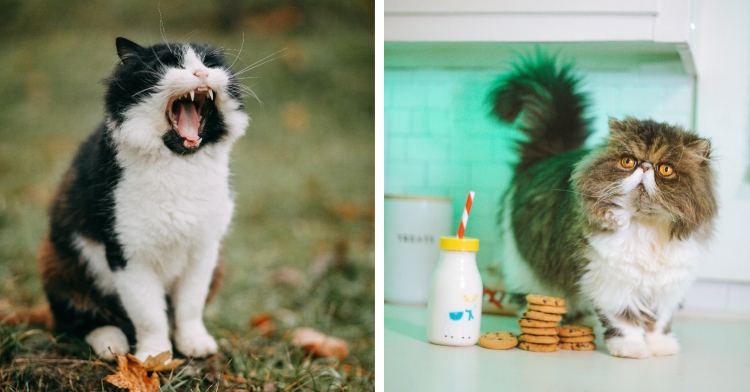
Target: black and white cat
(137, 223)
(616, 229)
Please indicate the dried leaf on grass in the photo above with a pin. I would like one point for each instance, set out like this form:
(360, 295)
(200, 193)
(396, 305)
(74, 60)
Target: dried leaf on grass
(350, 370)
(38, 316)
(133, 375)
(319, 344)
(262, 324)
(161, 362)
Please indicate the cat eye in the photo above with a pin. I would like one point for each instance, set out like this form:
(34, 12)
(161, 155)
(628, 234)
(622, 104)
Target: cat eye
(665, 170)
(627, 162)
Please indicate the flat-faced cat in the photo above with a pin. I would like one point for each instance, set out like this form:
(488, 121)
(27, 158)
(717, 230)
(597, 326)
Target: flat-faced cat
(137, 222)
(616, 229)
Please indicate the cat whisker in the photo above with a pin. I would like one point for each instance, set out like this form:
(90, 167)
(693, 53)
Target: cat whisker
(678, 213)
(144, 90)
(246, 91)
(270, 55)
(260, 62)
(606, 192)
(185, 37)
(576, 192)
(162, 30)
(237, 56)
(157, 57)
(600, 198)
(154, 73)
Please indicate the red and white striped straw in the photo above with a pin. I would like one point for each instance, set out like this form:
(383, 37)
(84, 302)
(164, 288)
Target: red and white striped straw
(465, 216)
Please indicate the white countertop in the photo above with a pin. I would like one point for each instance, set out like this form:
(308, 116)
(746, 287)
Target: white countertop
(715, 356)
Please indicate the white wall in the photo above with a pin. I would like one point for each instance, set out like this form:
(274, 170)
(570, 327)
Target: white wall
(722, 48)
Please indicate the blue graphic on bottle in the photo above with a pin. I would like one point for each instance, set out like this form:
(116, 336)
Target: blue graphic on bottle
(458, 326)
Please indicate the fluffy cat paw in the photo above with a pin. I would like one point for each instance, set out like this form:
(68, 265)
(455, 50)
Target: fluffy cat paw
(196, 344)
(628, 348)
(617, 218)
(108, 341)
(146, 350)
(662, 344)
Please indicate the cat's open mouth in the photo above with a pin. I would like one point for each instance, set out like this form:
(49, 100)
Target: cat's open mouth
(187, 114)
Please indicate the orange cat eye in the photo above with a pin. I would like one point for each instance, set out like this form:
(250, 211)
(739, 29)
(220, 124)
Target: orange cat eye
(665, 170)
(627, 162)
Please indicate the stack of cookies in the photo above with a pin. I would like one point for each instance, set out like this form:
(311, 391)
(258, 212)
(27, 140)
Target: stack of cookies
(540, 329)
(576, 337)
(539, 324)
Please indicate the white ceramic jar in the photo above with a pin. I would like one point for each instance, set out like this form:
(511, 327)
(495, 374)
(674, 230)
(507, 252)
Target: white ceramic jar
(413, 226)
(454, 307)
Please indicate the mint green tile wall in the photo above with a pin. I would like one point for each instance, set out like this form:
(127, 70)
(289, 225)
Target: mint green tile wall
(440, 140)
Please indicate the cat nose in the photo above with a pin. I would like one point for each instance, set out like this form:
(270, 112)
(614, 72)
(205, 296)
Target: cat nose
(645, 166)
(201, 74)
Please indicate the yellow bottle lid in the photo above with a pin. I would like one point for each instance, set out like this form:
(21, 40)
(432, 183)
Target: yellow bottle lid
(459, 244)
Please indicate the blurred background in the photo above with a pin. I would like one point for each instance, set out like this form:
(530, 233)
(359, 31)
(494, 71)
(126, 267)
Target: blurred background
(300, 248)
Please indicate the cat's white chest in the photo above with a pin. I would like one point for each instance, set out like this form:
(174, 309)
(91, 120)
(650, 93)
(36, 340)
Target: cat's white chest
(169, 209)
(639, 267)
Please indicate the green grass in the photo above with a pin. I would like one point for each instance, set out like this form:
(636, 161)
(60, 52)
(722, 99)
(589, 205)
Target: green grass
(303, 178)
(35, 359)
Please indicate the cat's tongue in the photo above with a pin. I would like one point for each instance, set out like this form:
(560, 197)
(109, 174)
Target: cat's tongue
(188, 122)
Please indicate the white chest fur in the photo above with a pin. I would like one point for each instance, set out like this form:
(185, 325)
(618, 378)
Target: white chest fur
(639, 268)
(169, 207)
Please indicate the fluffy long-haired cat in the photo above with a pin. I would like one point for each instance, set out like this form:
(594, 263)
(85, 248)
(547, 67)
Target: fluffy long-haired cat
(137, 223)
(616, 229)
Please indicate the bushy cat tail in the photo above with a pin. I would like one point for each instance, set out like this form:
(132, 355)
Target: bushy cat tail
(540, 97)
(39, 316)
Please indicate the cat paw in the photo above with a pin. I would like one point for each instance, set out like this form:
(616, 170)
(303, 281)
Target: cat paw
(196, 344)
(617, 218)
(662, 344)
(628, 348)
(152, 350)
(108, 341)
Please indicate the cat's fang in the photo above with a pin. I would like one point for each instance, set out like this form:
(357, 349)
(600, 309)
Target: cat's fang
(211, 94)
(192, 95)
(192, 144)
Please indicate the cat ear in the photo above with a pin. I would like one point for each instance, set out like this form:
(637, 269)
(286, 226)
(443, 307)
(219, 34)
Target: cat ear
(127, 49)
(701, 147)
(616, 126)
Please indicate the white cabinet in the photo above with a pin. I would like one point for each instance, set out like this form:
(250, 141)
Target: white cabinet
(477, 21)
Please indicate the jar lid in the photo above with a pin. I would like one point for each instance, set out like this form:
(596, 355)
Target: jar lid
(459, 244)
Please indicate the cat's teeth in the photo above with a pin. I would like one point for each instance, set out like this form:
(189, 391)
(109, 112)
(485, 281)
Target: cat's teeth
(188, 144)
(192, 95)
(211, 94)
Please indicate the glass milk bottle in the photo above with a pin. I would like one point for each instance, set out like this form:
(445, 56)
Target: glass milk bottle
(454, 307)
